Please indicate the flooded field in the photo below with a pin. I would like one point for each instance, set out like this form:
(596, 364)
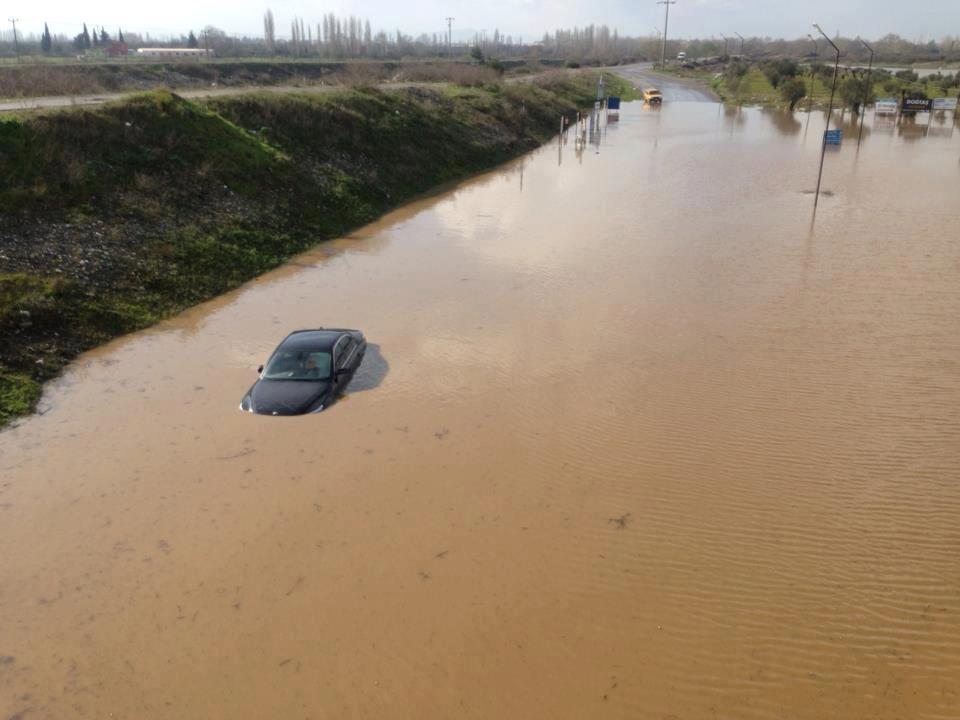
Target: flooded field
(637, 439)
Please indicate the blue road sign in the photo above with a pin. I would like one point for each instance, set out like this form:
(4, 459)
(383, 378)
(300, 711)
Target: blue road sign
(613, 103)
(833, 137)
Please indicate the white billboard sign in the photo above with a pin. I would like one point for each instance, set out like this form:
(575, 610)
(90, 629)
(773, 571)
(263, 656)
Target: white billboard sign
(887, 106)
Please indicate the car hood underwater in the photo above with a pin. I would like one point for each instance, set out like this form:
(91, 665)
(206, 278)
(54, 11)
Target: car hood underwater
(285, 397)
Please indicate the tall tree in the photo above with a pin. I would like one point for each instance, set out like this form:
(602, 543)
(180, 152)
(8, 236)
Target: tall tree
(192, 40)
(86, 37)
(96, 38)
(120, 36)
(46, 42)
(269, 31)
(104, 36)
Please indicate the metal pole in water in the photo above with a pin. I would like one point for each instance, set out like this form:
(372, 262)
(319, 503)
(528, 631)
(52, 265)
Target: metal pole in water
(823, 141)
(866, 92)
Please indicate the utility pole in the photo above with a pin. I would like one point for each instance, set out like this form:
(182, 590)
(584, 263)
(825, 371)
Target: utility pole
(450, 36)
(16, 43)
(823, 141)
(813, 76)
(725, 39)
(741, 44)
(666, 22)
(866, 91)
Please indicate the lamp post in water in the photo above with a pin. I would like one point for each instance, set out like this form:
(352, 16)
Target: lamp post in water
(866, 91)
(833, 89)
(813, 75)
(725, 39)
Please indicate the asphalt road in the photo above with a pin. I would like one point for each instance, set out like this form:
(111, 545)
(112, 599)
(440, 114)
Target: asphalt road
(674, 89)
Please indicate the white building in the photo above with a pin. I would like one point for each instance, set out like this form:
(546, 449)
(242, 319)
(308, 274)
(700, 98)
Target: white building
(173, 52)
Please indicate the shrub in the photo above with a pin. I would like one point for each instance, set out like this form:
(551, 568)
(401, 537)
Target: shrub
(779, 70)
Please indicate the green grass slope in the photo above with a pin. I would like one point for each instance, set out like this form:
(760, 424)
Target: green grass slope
(116, 217)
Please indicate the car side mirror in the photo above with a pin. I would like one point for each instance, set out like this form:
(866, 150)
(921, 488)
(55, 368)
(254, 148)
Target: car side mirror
(259, 369)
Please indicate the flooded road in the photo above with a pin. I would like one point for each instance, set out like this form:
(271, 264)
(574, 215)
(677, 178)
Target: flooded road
(637, 440)
(675, 89)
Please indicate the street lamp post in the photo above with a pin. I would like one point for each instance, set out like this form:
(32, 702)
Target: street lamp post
(741, 44)
(866, 91)
(813, 75)
(833, 89)
(725, 40)
(666, 22)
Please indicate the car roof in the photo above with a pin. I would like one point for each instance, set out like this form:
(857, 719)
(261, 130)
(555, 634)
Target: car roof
(313, 340)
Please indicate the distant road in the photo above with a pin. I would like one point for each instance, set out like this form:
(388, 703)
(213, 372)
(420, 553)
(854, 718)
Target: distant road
(674, 89)
(61, 101)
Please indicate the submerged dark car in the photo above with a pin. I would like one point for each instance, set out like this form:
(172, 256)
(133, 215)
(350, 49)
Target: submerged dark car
(306, 373)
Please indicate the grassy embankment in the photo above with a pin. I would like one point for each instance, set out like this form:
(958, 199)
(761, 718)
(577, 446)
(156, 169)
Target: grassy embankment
(131, 212)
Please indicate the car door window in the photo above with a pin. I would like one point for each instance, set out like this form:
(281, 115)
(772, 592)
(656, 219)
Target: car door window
(343, 354)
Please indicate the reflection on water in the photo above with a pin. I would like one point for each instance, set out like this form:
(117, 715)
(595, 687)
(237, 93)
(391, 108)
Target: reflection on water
(649, 444)
(784, 121)
(372, 371)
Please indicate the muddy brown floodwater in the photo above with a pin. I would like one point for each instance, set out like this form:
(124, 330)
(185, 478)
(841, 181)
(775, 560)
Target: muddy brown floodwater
(636, 440)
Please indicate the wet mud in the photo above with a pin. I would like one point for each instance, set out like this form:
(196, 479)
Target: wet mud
(642, 440)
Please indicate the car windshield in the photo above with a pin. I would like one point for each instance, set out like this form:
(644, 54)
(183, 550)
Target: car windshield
(298, 365)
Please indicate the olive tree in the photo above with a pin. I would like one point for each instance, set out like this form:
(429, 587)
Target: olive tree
(856, 91)
(792, 91)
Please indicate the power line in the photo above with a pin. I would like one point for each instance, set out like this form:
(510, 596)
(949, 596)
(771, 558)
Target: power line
(450, 35)
(16, 43)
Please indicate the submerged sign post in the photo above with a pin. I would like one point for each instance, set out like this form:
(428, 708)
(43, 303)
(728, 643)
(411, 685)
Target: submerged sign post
(833, 137)
(885, 106)
(613, 108)
(915, 105)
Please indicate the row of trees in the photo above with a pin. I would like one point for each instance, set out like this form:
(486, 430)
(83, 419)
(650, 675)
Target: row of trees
(83, 41)
(794, 81)
(354, 37)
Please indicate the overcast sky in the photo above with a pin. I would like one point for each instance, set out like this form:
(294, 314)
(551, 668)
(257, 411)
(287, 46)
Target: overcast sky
(930, 19)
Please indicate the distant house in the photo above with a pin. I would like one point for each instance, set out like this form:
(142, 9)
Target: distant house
(173, 52)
